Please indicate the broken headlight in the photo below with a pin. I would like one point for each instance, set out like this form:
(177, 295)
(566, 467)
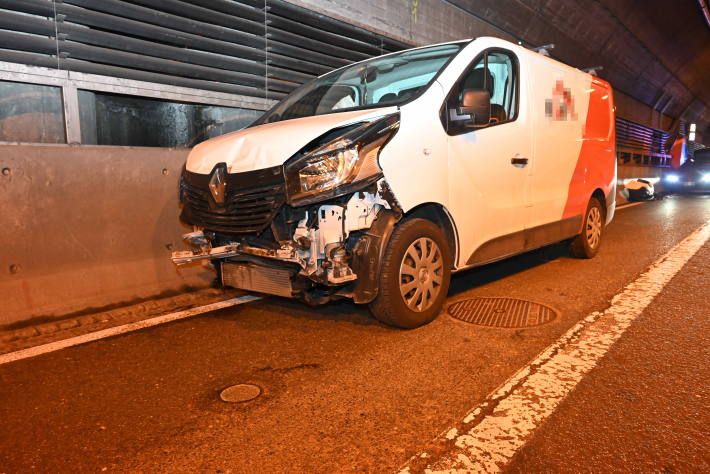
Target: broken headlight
(330, 169)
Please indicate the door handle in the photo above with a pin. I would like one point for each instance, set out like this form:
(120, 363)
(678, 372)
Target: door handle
(519, 160)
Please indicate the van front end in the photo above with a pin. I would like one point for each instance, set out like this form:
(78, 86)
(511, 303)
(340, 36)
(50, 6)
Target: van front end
(313, 228)
(298, 205)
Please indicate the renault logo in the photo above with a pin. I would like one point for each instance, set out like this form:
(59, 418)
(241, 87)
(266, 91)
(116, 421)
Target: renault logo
(218, 183)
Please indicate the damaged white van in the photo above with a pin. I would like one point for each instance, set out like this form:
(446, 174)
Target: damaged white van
(378, 180)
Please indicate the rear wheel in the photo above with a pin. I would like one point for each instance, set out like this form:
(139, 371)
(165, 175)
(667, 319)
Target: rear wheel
(586, 244)
(415, 275)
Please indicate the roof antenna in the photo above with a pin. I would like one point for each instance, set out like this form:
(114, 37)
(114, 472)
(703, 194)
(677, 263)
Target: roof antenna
(593, 70)
(544, 50)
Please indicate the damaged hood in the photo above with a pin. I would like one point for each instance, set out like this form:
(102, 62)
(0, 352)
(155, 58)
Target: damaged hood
(270, 144)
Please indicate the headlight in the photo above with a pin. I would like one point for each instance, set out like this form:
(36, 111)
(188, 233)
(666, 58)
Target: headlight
(324, 170)
(672, 178)
(327, 170)
(705, 178)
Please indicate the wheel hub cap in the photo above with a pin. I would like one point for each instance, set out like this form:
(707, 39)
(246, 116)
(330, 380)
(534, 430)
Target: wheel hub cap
(593, 229)
(421, 274)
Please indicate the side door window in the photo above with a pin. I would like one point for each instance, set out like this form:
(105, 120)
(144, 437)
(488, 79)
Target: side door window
(495, 71)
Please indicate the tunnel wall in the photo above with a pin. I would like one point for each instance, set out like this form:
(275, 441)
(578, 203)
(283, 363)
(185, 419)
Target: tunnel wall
(87, 227)
(417, 22)
(90, 226)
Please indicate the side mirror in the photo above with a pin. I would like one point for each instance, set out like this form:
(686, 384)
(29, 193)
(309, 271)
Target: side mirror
(476, 103)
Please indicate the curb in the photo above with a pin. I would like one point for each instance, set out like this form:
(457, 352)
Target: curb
(44, 333)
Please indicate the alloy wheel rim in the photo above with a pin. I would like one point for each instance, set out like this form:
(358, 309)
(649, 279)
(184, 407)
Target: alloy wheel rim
(594, 227)
(421, 274)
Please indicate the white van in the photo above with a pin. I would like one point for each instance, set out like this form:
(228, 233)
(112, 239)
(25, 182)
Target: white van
(378, 180)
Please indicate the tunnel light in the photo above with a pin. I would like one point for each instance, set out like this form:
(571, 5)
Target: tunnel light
(705, 178)
(672, 178)
(693, 127)
(691, 137)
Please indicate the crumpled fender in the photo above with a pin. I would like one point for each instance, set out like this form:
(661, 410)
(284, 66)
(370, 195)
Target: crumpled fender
(368, 255)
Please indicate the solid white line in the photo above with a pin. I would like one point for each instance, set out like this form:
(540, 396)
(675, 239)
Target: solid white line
(630, 204)
(115, 331)
(490, 435)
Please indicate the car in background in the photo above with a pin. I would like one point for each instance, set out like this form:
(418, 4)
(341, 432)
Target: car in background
(692, 176)
(639, 190)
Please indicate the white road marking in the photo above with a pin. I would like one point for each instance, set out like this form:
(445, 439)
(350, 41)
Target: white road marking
(115, 331)
(491, 434)
(629, 204)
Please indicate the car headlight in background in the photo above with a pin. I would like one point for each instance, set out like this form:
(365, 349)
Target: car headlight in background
(672, 178)
(328, 168)
(705, 178)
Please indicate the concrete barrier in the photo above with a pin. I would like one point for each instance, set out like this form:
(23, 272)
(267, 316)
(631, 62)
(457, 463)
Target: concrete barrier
(88, 227)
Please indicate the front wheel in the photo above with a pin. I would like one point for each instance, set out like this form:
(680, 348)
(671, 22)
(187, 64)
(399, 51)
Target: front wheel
(414, 277)
(586, 244)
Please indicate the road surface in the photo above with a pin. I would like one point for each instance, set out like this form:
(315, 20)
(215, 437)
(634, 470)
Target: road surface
(343, 393)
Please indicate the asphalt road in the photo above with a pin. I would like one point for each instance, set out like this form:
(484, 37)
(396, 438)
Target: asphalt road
(342, 393)
(644, 408)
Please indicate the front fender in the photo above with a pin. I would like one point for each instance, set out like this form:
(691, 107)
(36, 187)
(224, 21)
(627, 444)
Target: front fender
(368, 255)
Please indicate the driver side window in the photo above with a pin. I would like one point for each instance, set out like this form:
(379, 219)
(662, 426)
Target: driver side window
(496, 72)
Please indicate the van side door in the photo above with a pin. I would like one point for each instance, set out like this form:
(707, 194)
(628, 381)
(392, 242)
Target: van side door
(489, 164)
(560, 99)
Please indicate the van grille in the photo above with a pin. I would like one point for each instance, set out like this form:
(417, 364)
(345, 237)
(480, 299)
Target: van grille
(245, 209)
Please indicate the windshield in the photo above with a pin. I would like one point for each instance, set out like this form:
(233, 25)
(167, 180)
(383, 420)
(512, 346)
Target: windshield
(382, 81)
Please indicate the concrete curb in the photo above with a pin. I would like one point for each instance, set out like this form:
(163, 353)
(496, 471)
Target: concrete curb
(30, 336)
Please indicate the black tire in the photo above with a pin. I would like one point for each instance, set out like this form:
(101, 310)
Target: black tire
(428, 289)
(586, 244)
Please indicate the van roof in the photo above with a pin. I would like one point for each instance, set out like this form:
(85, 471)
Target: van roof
(518, 48)
(540, 57)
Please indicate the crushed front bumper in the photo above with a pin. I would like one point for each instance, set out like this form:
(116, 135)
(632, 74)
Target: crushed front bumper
(326, 249)
(232, 250)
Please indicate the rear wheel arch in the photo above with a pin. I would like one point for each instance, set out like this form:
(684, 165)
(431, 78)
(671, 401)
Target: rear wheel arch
(601, 197)
(586, 243)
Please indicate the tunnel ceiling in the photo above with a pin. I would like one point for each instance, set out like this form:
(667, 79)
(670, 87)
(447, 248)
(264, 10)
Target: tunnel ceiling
(657, 51)
(678, 37)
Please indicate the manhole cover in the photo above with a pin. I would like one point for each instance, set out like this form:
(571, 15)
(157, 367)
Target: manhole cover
(502, 312)
(242, 392)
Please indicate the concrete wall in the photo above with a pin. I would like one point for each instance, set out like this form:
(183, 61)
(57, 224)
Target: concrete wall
(631, 109)
(418, 22)
(84, 227)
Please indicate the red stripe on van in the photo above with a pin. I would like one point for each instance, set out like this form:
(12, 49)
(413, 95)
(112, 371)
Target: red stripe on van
(596, 164)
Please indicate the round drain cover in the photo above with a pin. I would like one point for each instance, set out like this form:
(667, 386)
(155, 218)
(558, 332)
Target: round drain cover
(242, 392)
(502, 312)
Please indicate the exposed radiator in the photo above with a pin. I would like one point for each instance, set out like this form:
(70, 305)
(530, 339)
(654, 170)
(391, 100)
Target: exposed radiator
(250, 277)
